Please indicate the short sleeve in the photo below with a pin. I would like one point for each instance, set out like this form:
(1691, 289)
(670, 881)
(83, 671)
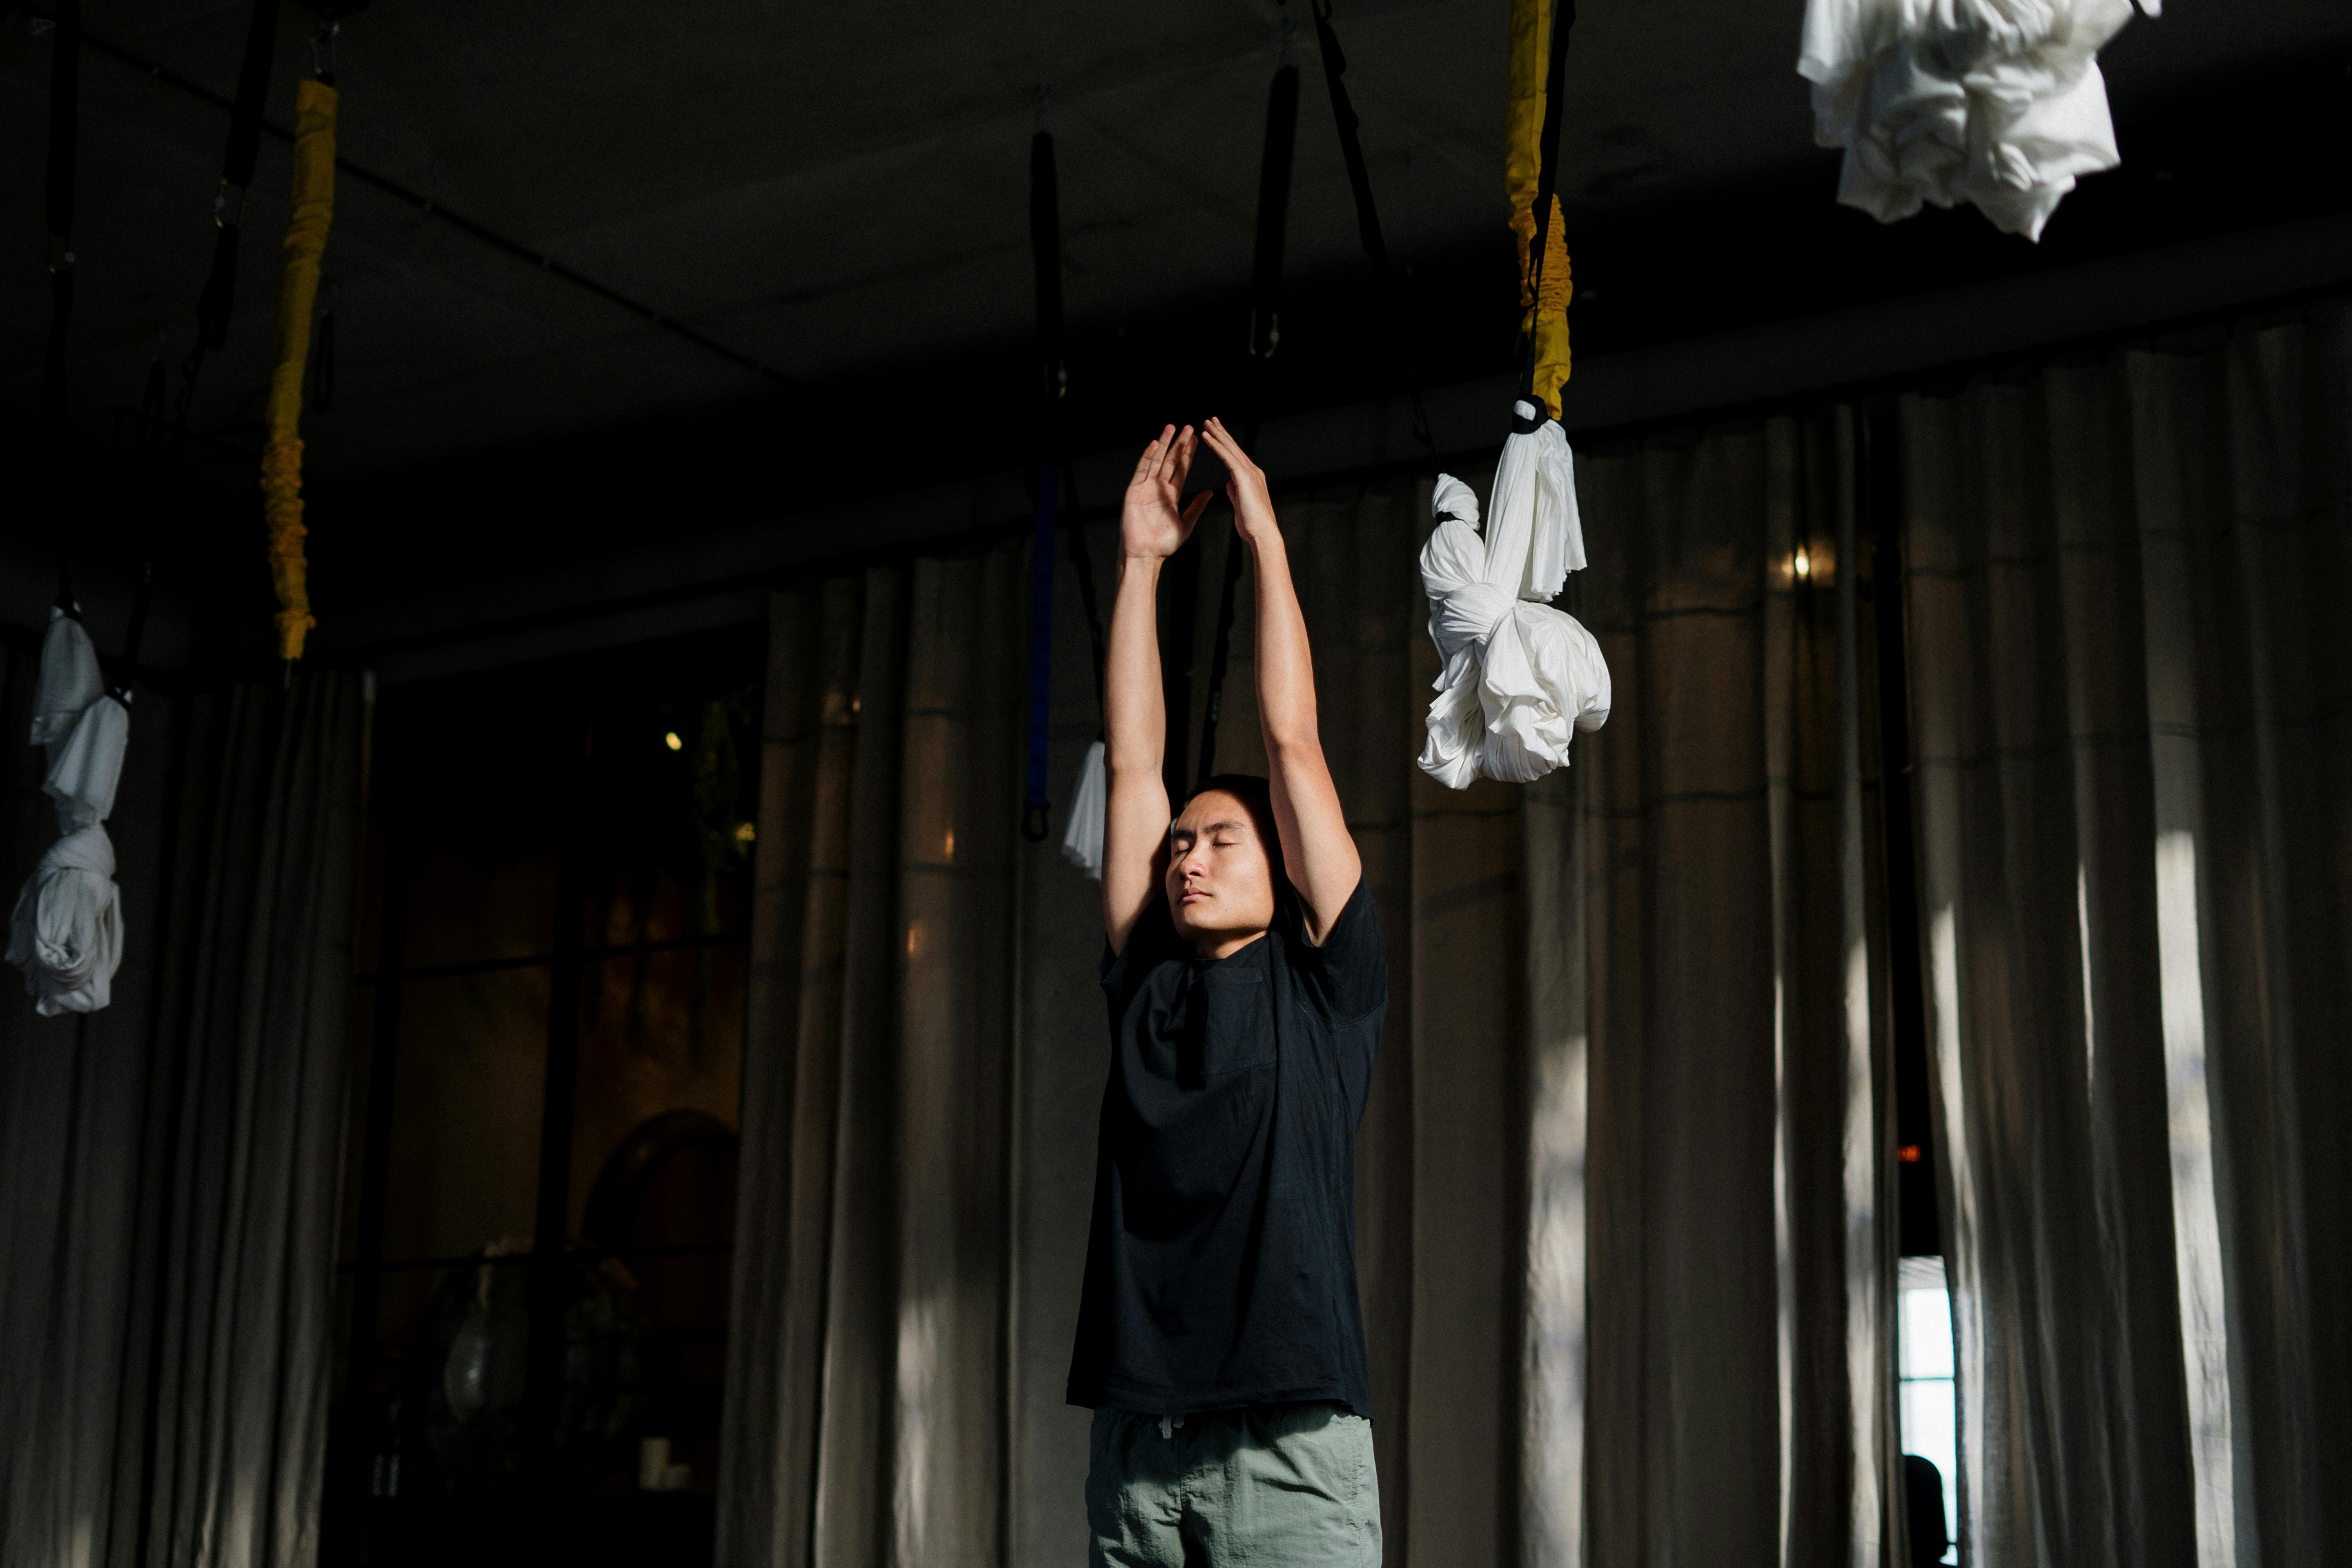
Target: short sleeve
(1348, 973)
(1152, 939)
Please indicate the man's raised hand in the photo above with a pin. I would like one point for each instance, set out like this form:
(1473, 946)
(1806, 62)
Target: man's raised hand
(1252, 505)
(1151, 525)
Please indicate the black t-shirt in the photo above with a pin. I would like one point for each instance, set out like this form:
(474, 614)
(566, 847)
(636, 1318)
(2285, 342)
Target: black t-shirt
(1221, 1263)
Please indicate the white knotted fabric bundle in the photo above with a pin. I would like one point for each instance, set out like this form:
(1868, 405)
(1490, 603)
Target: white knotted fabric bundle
(1520, 678)
(66, 932)
(1998, 103)
(1082, 839)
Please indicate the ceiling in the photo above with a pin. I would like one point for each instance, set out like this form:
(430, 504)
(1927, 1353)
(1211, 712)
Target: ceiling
(841, 192)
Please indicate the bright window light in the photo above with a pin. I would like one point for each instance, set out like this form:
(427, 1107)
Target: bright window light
(1930, 1407)
(672, 742)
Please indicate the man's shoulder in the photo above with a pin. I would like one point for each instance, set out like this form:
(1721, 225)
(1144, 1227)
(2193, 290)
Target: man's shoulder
(1346, 974)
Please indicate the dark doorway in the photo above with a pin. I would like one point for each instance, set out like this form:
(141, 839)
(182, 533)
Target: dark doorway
(537, 1250)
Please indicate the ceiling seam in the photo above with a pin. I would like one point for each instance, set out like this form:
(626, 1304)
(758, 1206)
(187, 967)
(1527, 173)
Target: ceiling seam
(158, 71)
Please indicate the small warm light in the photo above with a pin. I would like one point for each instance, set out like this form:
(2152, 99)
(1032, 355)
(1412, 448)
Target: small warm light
(745, 833)
(673, 742)
(950, 849)
(1908, 1153)
(1804, 564)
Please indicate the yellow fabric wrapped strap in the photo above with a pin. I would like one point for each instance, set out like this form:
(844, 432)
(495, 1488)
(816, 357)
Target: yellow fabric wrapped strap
(281, 456)
(1545, 318)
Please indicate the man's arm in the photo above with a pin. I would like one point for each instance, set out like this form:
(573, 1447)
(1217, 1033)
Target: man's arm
(1317, 852)
(1135, 716)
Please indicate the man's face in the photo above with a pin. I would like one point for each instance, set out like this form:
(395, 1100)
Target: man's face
(1220, 875)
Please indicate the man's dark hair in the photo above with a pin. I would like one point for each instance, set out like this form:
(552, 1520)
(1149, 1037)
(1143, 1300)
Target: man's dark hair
(1252, 790)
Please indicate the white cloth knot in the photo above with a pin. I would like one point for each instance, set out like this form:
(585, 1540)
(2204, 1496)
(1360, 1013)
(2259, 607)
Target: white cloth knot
(1471, 613)
(66, 932)
(85, 767)
(1519, 676)
(69, 682)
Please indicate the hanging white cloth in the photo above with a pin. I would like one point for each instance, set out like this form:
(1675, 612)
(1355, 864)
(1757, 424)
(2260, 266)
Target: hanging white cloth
(66, 930)
(1520, 678)
(1998, 103)
(1082, 839)
(86, 766)
(69, 682)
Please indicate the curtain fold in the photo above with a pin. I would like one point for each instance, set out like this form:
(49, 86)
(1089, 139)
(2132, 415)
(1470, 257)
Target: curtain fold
(867, 1373)
(2134, 771)
(71, 1130)
(168, 1399)
(1720, 859)
(254, 995)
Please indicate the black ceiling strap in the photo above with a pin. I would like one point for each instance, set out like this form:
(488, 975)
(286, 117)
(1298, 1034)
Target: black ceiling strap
(237, 173)
(1548, 165)
(1045, 250)
(1082, 561)
(65, 119)
(1273, 211)
(1265, 297)
(1368, 217)
(153, 399)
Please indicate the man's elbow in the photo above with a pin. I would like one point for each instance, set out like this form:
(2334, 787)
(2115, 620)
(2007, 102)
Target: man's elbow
(1292, 741)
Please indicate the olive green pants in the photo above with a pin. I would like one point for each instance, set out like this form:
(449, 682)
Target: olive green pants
(1278, 1484)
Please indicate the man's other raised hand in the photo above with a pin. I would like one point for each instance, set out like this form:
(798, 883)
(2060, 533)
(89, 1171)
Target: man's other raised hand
(1153, 526)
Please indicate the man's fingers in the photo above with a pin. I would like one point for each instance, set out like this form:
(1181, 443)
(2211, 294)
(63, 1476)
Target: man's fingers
(1149, 464)
(1222, 443)
(1164, 450)
(1230, 449)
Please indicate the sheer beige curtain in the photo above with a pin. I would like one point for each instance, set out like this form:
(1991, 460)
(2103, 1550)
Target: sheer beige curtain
(1706, 969)
(866, 1418)
(168, 1174)
(71, 1115)
(2134, 728)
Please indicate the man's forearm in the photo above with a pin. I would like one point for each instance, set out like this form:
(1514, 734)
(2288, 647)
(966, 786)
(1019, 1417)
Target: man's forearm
(1285, 669)
(1135, 720)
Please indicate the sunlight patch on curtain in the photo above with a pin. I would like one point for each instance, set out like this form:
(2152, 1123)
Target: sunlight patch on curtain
(2196, 1224)
(1784, 1260)
(1866, 1301)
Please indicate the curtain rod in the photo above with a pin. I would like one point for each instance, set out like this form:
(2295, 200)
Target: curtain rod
(158, 71)
(981, 535)
(1927, 379)
(977, 536)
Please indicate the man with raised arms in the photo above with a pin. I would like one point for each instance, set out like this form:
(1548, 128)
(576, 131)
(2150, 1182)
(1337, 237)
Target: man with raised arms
(1220, 1343)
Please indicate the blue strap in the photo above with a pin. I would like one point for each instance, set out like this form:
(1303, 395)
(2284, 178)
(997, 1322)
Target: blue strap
(1041, 656)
